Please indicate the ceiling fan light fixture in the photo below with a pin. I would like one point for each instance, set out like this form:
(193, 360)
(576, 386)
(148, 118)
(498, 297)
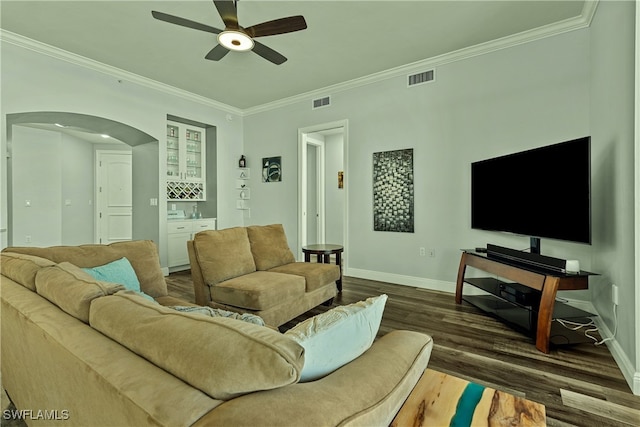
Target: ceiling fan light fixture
(235, 40)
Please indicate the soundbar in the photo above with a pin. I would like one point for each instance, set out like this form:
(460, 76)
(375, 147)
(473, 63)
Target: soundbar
(535, 260)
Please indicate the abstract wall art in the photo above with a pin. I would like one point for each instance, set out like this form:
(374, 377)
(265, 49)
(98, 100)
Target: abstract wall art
(393, 195)
(271, 169)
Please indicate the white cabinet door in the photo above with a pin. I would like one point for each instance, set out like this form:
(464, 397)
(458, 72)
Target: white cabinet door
(178, 254)
(179, 233)
(186, 146)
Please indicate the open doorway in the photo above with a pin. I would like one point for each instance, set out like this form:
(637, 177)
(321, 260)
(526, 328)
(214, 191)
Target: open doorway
(322, 194)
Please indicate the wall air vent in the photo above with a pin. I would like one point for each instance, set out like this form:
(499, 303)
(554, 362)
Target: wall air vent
(321, 102)
(420, 78)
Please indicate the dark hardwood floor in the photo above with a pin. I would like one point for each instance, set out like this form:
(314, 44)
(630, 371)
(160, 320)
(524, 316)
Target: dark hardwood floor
(579, 385)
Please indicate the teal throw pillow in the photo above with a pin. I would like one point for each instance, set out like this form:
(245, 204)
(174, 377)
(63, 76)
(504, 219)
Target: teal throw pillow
(119, 271)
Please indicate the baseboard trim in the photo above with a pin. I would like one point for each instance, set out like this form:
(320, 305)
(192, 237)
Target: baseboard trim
(399, 279)
(622, 360)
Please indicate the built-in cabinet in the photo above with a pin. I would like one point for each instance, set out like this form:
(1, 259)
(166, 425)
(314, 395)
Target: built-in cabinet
(181, 231)
(186, 162)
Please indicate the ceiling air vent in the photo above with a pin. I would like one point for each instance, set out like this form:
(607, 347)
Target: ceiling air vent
(420, 78)
(321, 102)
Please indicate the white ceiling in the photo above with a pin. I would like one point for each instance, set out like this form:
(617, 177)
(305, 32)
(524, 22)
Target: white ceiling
(345, 40)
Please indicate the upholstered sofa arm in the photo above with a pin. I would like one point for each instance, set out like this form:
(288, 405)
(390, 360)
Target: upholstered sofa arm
(359, 393)
(200, 288)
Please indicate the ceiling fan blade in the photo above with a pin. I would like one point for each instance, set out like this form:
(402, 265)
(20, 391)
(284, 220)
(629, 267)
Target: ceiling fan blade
(184, 22)
(268, 53)
(228, 13)
(277, 26)
(217, 53)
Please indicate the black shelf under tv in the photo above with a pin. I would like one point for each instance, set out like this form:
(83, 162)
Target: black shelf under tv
(522, 312)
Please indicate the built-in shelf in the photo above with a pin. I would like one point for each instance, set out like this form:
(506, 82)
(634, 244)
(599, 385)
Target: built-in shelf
(243, 191)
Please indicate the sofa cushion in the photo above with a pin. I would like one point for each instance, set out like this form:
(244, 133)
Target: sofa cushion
(22, 268)
(223, 254)
(143, 255)
(72, 289)
(269, 246)
(222, 357)
(259, 290)
(336, 337)
(316, 275)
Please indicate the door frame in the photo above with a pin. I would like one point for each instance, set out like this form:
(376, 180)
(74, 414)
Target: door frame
(302, 181)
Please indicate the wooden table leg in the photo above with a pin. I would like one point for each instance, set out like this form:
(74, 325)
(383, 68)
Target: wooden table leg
(545, 313)
(460, 280)
(339, 264)
(307, 257)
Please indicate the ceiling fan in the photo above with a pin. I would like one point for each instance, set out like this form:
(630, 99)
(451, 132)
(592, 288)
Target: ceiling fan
(237, 38)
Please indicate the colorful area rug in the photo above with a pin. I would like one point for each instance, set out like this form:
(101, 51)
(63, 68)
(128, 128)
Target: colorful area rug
(444, 400)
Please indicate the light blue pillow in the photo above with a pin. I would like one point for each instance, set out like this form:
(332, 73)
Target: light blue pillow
(119, 271)
(336, 337)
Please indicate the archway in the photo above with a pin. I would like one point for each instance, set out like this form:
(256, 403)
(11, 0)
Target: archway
(144, 150)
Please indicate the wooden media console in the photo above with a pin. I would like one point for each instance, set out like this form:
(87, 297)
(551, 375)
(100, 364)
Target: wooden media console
(535, 311)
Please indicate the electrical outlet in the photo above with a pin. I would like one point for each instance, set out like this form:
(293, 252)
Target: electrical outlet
(423, 251)
(432, 253)
(614, 294)
(27, 239)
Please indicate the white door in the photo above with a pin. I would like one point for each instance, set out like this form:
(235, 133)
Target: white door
(114, 207)
(314, 190)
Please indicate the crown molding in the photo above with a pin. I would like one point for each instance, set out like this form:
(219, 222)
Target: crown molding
(557, 28)
(579, 22)
(57, 53)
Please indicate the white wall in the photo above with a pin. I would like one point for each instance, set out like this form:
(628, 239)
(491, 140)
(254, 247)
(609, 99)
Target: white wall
(34, 80)
(612, 127)
(522, 97)
(37, 187)
(78, 185)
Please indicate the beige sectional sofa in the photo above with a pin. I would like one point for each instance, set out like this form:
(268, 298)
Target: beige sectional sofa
(251, 269)
(81, 352)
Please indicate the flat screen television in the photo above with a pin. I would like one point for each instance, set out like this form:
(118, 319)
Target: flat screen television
(541, 193)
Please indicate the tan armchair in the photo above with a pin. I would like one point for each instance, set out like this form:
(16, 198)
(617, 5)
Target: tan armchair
(252, 270)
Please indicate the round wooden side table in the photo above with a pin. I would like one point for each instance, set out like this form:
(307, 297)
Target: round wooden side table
(323, 252)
